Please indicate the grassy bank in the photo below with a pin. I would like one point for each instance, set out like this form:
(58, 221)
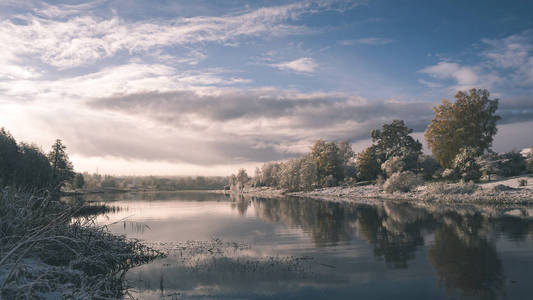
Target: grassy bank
(45, 253)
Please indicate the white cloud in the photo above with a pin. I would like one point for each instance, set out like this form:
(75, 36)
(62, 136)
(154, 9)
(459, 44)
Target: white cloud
(514, 53)
(301, 65)
(84, 39)
(366, 41)
(465, 77)
(505, 63)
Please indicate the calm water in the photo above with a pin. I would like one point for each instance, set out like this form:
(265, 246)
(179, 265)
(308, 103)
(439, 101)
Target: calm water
(308, 249)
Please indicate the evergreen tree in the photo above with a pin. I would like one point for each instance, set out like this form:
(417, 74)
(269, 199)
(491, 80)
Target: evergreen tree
(62, 170)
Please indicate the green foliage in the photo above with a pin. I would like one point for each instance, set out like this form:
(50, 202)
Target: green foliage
(367, 164)
(9, 155)
(465, 164)
(24, 165)
(428, 166)
(62, 170)
(394, 140)
(33, 168)
(79, 181)
(468, 122)
(329, 159)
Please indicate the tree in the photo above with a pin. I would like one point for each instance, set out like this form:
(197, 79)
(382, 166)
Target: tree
(239, 181)
(308, 173)
(367, 164)
(33, 168)
(9, 155)
(79, 181)
(62, 170)
(468, 122)
(394, 140)
(465, 164)
(329, 160)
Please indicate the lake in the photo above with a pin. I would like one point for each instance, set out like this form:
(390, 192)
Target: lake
(294, 248)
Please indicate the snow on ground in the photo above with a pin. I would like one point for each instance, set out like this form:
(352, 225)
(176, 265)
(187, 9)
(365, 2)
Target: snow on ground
(487, 192)
(513, 182)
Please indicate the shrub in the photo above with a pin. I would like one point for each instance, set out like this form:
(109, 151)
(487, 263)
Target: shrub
(456, 188)
(522, 182)
(465, 164)
(402, 182)
(393, 165)
(512, 164)
(44, 253)
(448, 174)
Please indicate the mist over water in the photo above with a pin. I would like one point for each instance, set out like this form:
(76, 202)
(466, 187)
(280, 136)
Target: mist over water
(222, 247)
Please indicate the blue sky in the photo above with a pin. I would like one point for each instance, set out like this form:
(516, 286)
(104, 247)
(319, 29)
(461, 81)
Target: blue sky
(204, 87)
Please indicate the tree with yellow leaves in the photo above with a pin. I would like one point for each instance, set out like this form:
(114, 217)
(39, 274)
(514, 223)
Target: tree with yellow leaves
(468, 122)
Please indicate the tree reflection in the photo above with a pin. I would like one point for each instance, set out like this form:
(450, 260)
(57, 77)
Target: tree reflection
(467, 262)
(394, 232)
(329, 223)
(463, 253)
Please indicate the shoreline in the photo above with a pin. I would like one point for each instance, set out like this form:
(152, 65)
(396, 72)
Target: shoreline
(505, 191)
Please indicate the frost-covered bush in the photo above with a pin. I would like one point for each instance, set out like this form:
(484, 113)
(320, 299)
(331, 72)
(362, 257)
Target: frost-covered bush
(46, 254)
(489, 166)
(393, 165)
(402, 182)
(448, 189)
(512, 164)
(465, 164)
(448, 174)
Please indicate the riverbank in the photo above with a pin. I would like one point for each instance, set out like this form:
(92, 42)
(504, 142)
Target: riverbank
(46, 254)
(508, 190)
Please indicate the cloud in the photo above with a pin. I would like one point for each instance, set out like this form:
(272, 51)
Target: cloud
(80, 40)
(430, 83)
(301, 65)
(506, 63)
(269, 123)
(464, 77)
(366, 41)
(513, 53)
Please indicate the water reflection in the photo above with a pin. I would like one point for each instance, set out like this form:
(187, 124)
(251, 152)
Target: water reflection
(301, 248)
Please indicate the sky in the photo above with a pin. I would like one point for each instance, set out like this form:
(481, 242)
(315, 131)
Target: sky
(206, 87)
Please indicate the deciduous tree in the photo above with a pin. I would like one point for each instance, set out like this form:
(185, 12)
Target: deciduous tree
(468, 122)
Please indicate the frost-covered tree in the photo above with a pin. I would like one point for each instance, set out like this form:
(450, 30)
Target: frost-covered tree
(465, 164)
(393, 165)
(308, 173)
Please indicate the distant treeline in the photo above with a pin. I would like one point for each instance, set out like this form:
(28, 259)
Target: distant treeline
(26, 166)
(96, 181)
(459, 136)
